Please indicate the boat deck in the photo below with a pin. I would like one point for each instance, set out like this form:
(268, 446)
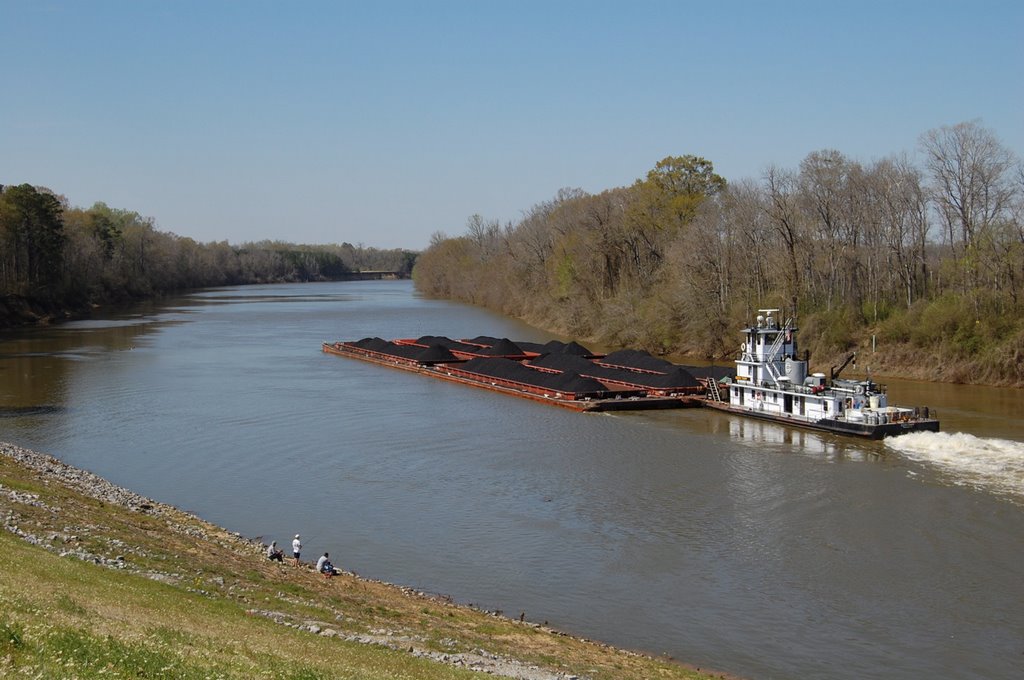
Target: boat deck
(835, 425)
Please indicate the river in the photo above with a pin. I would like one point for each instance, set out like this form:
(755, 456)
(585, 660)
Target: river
(743, 546)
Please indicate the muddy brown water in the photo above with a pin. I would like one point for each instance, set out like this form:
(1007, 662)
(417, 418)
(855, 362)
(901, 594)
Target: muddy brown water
(748, 547)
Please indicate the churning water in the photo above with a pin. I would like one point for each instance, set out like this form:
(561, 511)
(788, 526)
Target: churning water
(988, 464)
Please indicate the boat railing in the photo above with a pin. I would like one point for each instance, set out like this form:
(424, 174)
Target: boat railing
(773, 352)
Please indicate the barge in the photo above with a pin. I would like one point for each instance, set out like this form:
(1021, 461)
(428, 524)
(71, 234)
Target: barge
(559, 374)
(771, 383)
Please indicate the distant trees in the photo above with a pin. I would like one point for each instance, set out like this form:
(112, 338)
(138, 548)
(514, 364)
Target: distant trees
(31, 237)
(678, 258)
(69, 257)
(580, 262)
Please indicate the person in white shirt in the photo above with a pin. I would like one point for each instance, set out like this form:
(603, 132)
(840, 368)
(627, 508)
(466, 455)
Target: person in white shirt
(324, 566)
(296, 549)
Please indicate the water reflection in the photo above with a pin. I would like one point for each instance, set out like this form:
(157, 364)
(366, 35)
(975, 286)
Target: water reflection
(785, 439)
(37, 366)
(24, 411)
(233, 296)
(109, 324)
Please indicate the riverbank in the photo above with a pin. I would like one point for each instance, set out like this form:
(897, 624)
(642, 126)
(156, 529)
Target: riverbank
(18, 310)
(100, 581)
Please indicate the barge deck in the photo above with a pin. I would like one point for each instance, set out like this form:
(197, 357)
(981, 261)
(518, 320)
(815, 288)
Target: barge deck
(604, 400)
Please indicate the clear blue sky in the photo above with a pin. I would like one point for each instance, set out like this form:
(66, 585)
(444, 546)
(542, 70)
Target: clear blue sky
(381, 122)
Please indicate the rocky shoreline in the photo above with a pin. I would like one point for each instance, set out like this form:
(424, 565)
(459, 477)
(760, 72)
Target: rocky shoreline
(65, 538)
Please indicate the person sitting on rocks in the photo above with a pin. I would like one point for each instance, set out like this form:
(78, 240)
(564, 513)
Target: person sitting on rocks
(324, 566)
(273, 553)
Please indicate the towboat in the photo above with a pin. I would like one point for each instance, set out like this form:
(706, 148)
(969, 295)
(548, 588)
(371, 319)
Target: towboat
(772, 383)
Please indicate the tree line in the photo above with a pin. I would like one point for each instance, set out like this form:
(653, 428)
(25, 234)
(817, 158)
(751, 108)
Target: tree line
(924, 256)
(66, 258)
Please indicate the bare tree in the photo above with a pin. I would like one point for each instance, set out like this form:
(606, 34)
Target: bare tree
(971, 186)
(785, 219)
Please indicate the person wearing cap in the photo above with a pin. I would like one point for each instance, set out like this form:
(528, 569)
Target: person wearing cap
(296, 549)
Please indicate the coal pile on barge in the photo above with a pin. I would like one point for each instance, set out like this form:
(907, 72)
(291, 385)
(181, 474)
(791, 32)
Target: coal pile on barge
(568, 382)
(675, 380)
(566, 374)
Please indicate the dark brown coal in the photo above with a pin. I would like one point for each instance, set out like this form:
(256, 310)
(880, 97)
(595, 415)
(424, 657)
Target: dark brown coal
(638, 359)
(436, 354)
(503, 348)
(577, 349)
(372, 344)
(506, 369)
(674, 377)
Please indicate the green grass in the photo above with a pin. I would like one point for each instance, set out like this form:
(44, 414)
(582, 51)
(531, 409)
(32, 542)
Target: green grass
(206, 616)
(71, 618)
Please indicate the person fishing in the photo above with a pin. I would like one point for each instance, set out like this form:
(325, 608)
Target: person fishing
(324, 566)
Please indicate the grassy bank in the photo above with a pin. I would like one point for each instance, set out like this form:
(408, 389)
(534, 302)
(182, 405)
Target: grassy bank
(102, 583)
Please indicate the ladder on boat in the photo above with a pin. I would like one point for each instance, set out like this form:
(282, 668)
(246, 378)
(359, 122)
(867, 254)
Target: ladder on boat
(773, 352)
(713, 392)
